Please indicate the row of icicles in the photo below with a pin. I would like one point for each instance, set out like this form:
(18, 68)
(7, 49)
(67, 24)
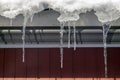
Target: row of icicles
(105, 29)
(69, 38)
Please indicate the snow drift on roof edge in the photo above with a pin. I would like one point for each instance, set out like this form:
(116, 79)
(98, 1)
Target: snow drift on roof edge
(105, 10)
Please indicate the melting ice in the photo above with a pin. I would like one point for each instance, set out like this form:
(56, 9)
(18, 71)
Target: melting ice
(61, 42)
(23, 36)
(106, 28)
(69, 31)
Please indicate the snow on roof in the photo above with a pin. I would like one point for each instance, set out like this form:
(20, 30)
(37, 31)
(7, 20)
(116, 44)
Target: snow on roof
(105, 10)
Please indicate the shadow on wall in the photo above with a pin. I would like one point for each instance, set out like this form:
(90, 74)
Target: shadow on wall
(45, 63)
(49, 18)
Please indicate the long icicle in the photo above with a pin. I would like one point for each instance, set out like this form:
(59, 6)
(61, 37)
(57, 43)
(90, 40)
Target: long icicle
(74, 35)
(61, 44)
(11, 22)
(11, 19)
(105, 53)
(31, 18)
(105, 31)
(69, 31)
(23, 37)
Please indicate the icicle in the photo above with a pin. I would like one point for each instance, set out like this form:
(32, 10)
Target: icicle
(105, 31)
(11, 22)
(31, 18)
(74, 36)
(23, 36)
(69, 30)
(61, 42)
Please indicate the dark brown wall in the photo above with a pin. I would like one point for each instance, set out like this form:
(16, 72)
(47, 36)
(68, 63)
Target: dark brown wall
(45, 63)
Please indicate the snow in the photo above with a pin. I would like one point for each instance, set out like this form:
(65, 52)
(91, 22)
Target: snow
(105, 10)
(107, 13)
(66, 17)
(12, 8)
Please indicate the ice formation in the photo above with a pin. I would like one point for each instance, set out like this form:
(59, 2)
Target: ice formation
(61, 42)
(106, 28)
(105, 10)
(69, 31)
(23, 36)
(74, 35)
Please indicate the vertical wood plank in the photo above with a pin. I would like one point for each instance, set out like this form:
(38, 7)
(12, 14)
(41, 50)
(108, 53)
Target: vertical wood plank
(67, 71)
(20, 72)
(94, 62)
(99, 58)
(88, 62)
(90, 66)
(114, 62)
(32, 64)
(1, 64)
(44, 64)
(55, 65)
(79, 63)
(9, 67)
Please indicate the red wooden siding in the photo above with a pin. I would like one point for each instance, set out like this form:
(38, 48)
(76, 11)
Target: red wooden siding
(114, 62)
(9, 64)
(1, 64)
(20, 68)
(54, 62)
(44, 64)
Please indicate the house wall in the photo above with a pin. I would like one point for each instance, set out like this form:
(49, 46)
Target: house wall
(44, 64)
